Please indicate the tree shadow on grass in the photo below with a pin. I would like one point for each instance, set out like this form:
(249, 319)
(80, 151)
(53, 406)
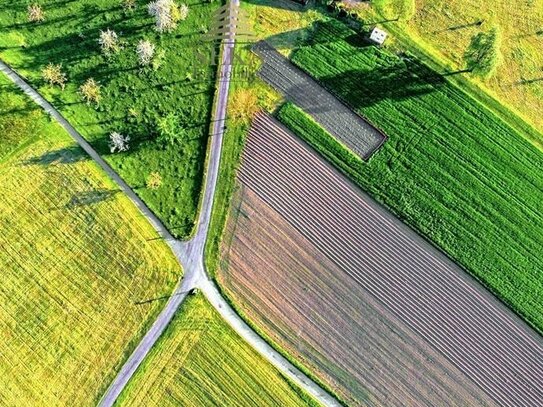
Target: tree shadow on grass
(319, 33)
(525, 81)
(361, 88)
(74, 47)
(91, 197)
(45, 23)
(282, 4)
(67, 50)
(67, 155)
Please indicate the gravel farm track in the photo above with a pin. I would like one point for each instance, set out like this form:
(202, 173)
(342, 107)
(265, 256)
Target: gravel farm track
(453, 342)
(327, 110)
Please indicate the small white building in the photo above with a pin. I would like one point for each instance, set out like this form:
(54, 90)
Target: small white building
(378, 36)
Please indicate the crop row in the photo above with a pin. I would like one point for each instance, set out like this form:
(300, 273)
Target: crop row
(421, 287)
(201, 361)
(450, 168)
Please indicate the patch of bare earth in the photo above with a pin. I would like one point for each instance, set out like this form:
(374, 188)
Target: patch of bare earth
(357, 297)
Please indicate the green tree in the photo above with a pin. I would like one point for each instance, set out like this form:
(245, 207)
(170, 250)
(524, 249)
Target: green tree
(483, 53)
(169, 130)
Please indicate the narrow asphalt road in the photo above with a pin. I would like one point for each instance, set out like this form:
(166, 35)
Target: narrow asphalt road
(190, 254)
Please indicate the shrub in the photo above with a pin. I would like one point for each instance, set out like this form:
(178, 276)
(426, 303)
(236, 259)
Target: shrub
(118, 142)
(169, 130)
(109, 41)
(90, 91)
(154, 180)
(244, 105)
(35, 13)
(145, 51)
(53, 75)
(483, 54)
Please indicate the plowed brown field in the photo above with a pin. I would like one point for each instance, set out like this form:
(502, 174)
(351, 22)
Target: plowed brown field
(359, 298)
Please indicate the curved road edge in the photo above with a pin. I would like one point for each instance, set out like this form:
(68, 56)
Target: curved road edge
(261, 346)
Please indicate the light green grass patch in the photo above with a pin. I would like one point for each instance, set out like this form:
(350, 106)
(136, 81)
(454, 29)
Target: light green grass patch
(201, 361)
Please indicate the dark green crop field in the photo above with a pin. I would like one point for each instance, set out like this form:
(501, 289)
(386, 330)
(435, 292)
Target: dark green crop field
(134, 99)
(450, 168)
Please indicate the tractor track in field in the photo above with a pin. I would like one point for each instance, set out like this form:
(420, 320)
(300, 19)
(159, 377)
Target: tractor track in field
(426, 291)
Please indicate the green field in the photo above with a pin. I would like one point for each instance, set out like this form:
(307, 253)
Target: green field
(445, 28)
(133, 100)
(76, 257)
(201, 361)
(450, 168)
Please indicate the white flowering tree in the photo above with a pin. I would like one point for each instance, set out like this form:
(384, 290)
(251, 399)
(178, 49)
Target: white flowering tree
(118, 142)
(53, 75)
(183, 10)
(109, 41)
(145, 51)
(167, 14)
(35, 13)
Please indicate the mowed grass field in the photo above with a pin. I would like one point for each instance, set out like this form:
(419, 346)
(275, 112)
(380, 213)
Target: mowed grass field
(133, 100)
(201, 361)
(450, 168)
(447, 27)
(76, 256)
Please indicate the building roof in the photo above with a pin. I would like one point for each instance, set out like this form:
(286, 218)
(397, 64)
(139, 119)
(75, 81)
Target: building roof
(378, 36)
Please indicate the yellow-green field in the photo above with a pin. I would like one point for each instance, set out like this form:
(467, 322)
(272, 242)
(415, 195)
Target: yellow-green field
(444, 28)
(448, 25)
(75, 256)
(268, 18)
(201, 361)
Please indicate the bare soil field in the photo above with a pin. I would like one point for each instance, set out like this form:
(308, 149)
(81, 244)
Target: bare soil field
(355, 295)
(327, 110)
